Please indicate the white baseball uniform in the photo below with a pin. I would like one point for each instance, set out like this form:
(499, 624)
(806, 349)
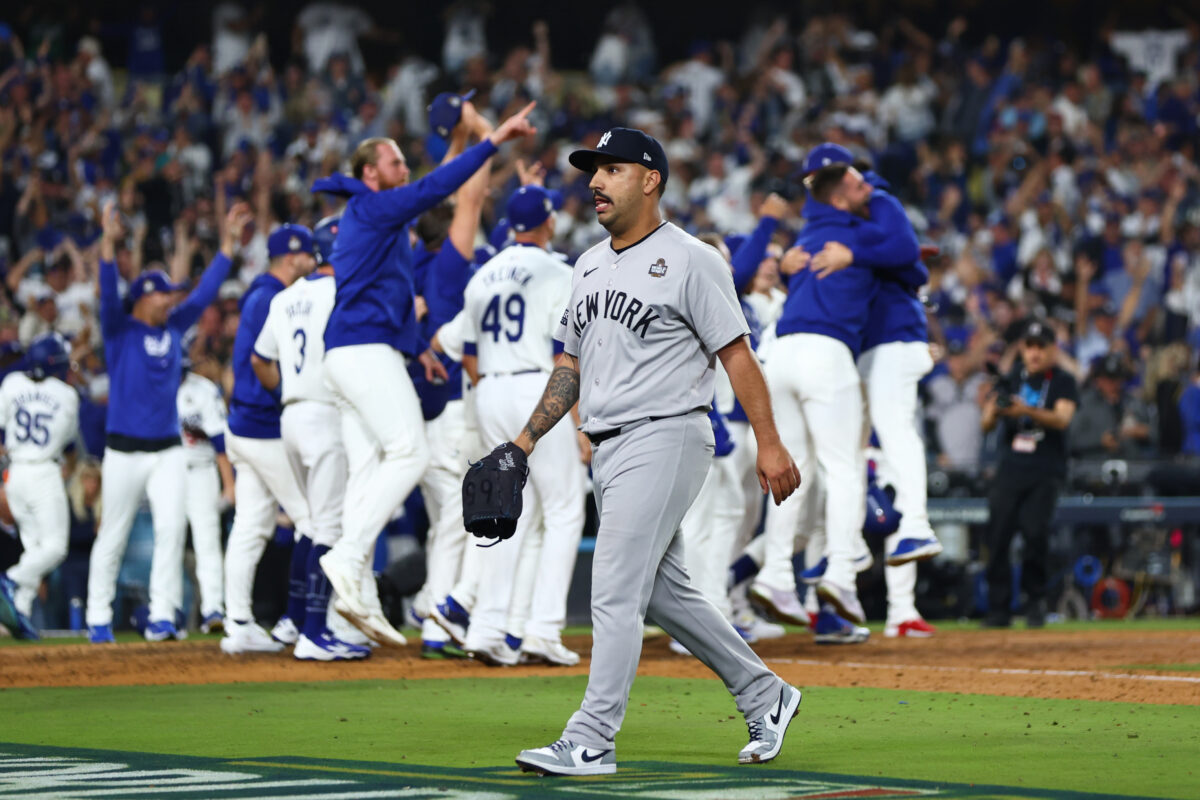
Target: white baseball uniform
(514, 304)
(41, 419)
(201, 419)
(293, 336)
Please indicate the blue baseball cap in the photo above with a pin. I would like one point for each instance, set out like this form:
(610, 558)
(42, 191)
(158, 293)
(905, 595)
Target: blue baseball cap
(445, 111)
(153, 281)
(825, 154)
(624, 144)
(290, 238)
(528, 207)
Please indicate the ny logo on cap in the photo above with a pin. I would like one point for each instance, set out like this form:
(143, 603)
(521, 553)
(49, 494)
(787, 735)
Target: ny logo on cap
(604, 139)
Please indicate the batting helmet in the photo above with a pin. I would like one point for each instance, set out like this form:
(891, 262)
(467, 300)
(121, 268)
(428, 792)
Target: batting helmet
(324, 235)
(47, 355)
(882, 516)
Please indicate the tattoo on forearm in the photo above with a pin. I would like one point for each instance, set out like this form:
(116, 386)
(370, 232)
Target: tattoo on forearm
(562, 391)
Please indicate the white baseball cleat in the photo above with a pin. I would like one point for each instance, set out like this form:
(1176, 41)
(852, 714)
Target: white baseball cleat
(843, 599)
(373, 625)
(496, 654)
(346, 583)
(754, 628)
(341, 629)
(564, 757)
(784, 604)
(247, 637)
(327, 648)
(285, 631)
(767, 731)
(535, 649)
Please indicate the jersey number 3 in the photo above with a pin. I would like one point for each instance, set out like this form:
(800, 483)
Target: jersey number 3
(32, 427)
(514, 310)
(301, 339)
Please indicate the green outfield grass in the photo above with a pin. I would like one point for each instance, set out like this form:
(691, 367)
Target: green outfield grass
(1143, 750)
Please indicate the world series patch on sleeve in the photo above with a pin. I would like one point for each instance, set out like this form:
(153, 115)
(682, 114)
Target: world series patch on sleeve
(492, 492)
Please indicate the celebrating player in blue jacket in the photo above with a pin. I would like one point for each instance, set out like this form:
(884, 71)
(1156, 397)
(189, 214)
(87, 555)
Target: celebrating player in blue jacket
(144, 453)
(819, 407)
(372, 329)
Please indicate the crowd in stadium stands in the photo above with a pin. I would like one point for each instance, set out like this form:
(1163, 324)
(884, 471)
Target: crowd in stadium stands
(1056, 182)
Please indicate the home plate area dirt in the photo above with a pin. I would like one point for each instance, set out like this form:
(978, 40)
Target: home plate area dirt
(1092, 665)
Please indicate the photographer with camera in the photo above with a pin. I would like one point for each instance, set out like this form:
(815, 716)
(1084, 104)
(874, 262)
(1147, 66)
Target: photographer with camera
(1033, 404)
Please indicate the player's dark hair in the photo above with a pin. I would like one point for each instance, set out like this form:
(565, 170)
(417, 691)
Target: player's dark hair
(366, 153)
(822, 183)
(434, 225)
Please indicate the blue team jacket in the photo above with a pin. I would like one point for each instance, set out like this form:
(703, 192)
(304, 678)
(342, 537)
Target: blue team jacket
(375, 282)
(253, 411)
(144, 362)
(441, 279)
(897, 313)
(838, 306)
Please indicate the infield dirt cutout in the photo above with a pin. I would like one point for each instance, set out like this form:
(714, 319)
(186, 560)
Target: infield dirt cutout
(1091, 665)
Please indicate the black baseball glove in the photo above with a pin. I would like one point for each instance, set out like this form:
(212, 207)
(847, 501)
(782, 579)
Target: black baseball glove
(492, 492)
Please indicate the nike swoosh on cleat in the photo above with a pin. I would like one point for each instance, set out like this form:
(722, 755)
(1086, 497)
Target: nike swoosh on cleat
(590, 271)
(778, 711)
(589, 759)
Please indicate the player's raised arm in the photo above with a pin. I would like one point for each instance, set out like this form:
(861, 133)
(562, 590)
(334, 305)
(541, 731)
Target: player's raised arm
(562, 392)
(188, 312)
(112, 316)
(777, 472)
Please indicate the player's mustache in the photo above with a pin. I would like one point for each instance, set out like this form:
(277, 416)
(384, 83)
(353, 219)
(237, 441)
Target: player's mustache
(600, 196)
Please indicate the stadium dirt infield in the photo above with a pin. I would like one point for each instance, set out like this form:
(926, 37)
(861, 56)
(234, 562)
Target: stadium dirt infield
(1089, 665)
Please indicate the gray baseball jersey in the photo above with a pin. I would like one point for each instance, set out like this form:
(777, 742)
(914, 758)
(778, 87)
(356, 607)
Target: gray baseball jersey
(646, 322)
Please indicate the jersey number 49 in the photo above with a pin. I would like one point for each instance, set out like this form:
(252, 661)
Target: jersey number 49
(514, 310)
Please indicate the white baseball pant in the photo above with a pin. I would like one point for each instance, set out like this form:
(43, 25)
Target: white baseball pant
(384, 437)
(710, 529)
(38, 501)
(162, 477)
(263, 481)
(817, 397)
(555, 486)
(312, 439)
(204, 518)
(441, 486)
(890, 374)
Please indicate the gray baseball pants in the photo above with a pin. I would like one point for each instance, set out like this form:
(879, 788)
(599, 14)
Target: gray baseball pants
(645, 479)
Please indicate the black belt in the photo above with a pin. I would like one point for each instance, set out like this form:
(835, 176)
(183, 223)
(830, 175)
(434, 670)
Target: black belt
(507, 374)
(603, 436)
(134, 444)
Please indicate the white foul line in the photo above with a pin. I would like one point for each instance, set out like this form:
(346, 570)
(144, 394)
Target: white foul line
(1070, 673)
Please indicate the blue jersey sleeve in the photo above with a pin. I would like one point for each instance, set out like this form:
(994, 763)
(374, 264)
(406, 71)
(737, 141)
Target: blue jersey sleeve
(445, 283)
(188, 312)
(394, 208)
(888, 240)
(112, 315)
(751, 253)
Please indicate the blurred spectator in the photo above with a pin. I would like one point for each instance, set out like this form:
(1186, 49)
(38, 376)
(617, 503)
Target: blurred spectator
(1111, 423)
(954, 411)
(325, 29)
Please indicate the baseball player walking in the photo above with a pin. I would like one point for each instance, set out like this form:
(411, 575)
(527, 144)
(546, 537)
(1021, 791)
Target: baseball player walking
(40, 415)
(143, 453)
(288, 355)
(372, 329)
(266, 478)
(209, 481)
(513, 305)
(651, 310)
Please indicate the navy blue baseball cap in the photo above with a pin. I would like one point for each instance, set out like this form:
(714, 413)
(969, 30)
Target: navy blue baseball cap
(445, 111)
(290, 238)
(624, 144)
(153, 281)
(825, 154)
(528, 207)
